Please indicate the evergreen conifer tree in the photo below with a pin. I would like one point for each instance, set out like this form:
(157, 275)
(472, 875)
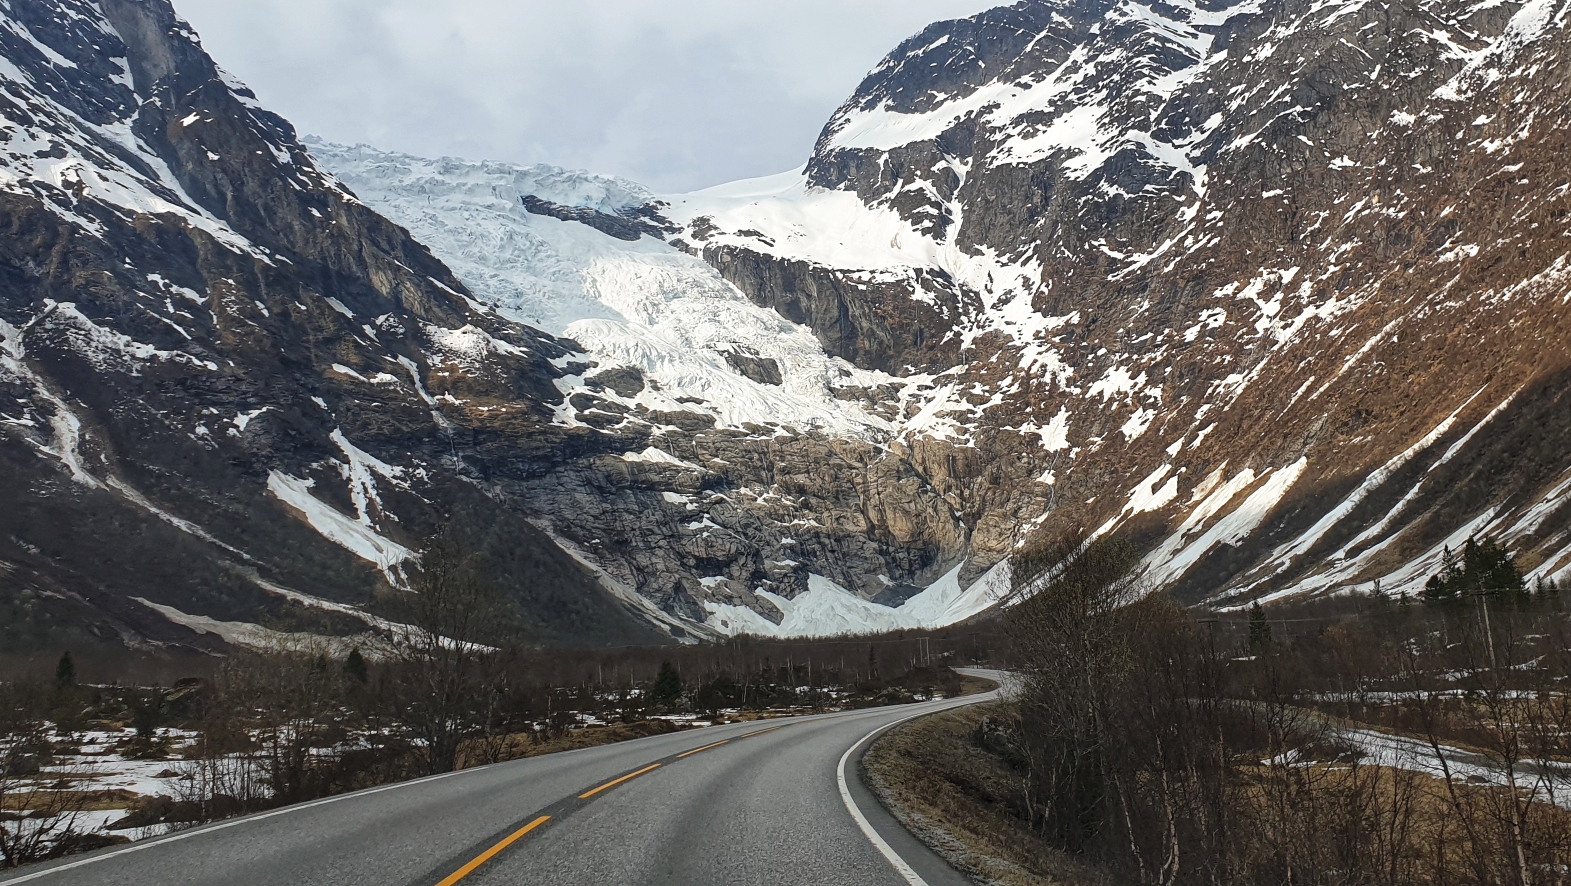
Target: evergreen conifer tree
(667, 690)
(1484, 569)
(355, 667)
(1259, 628)
(65, 672)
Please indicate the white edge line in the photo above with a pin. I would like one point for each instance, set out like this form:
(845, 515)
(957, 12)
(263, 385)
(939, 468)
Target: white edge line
(901, 867)
(223, 826)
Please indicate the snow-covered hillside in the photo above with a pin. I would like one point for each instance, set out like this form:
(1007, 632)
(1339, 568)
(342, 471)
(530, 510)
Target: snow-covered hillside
(828, 610)
(1275, 288)
(1078, 253)
(1184, 272)
(224, 381)
(697, 344)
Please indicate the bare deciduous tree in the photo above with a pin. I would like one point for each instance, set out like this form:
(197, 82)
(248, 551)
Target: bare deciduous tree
(443, 673)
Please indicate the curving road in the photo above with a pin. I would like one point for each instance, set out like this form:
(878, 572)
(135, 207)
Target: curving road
(758, 804)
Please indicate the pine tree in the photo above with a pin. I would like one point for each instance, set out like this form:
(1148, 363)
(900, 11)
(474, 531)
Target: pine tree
(65, 672)
(1259, 628)
(355, 667)
(1438, 590)
(667, 690)
(1484, 569)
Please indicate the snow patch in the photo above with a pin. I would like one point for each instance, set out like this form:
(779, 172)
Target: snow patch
(348, 533)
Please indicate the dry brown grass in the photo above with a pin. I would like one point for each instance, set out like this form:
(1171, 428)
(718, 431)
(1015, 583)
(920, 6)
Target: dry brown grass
(74, 801)
(960, 799)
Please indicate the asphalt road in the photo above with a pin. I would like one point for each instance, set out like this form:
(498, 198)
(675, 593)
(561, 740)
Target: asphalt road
(755, 804)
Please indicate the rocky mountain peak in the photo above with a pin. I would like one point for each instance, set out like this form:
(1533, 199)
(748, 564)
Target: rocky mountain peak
(206, 338)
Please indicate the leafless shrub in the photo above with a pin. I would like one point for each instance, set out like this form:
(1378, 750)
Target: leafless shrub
(1175, 752)
(40, 818)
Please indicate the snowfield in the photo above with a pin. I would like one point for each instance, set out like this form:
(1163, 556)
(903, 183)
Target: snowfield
(642, 304)
(829, 610)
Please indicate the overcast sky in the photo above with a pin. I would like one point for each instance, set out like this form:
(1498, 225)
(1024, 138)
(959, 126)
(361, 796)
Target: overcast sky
(676, 94)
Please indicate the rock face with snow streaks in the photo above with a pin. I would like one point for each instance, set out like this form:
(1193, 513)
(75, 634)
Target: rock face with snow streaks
(1277, 287)
(234, 397)
(231, 394)
(746, 460)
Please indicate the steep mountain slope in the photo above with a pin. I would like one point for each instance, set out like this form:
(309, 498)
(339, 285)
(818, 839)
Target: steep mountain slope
(236, 398)
(628, 298)
(231, 394)
(1277, 287)
(762, 487)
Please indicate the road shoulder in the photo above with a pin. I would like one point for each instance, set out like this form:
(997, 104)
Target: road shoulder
(962, 800)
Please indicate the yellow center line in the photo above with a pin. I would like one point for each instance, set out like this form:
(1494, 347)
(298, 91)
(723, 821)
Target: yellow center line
(611, 784)
(491, 853)
(702, 749)
(762, 731)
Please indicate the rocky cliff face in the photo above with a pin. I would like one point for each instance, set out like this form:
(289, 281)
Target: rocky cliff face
(1277, 287)
(752, 480)
(232, 397)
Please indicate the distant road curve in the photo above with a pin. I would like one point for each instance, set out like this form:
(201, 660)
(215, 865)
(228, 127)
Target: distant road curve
(750, 803)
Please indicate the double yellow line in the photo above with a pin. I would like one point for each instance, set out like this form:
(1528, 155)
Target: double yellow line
(519, 834)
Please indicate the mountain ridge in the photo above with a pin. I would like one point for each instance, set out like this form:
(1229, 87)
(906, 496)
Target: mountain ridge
(203, 336)
(1275, 289)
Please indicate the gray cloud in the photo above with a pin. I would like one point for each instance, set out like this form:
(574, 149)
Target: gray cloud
(677, 94)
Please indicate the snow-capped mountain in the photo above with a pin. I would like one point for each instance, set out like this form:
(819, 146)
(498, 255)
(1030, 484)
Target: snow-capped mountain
(765, 487)
(1277, 287)
(232, 398)
(630, 303)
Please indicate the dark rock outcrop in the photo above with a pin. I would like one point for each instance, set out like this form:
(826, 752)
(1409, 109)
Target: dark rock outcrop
(636, 223)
